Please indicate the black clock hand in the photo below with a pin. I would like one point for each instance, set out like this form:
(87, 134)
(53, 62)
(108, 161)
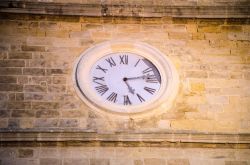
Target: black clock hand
(130, 89)
(139, 77)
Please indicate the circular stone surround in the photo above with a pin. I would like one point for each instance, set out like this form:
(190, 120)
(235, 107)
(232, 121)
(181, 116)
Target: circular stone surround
(162, 101)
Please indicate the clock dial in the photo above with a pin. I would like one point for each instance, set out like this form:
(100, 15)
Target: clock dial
(125, 79)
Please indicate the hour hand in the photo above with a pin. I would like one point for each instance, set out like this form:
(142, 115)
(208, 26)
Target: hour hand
(130, 89)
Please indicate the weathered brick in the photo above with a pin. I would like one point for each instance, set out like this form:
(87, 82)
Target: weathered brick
(73, 113)
(22, 113)
(10, 71)
(20, 55)
(196, 74)
(12, 63)
(57, 88)
(34, 71)
(11, 87)
(3, 123)
(8, 79)
(25, 123)
(4, 113)
(59, 80)
(50, 161)
(35, 88)
(154, 161)
(33, 48)
(138, 162)
(55, 71)
(25, 153)
(38, 96)
(68, 123)
(19, 105)
(75, 161)
(47, 114)
(45, 105)
(46, 123)
(13, 123)
(236, 162)
(231, 28)
(178, 161)
(99, 162)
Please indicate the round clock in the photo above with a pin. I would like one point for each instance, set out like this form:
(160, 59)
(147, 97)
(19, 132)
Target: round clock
(125, 78)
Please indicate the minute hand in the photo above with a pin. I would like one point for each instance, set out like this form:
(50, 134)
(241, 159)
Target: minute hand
(139, 77)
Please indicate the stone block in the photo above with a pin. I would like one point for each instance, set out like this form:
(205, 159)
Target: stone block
(239, 36)
(197, 87)
(236, 163)
(50, 161)
(19, 105)
(22, 79)
(33, 48)
(8, 79)
(13, 123)
(12, 63)
(35, 88)
(11, 87)
(231, 28)
(74, 161)
(59, 80)
(55, 71)
(213, 99)
(45, 105)
(10, 71)
(209, 29)
(138, 162)
(4, 113)
(73, 113)
(20, 55)
(38, 96)
(47, 113)
(57, 88)
(57, 33)
(99, 162)
(34, 71)
(178, 162)
(46, 123)
(25, 153)
(68, 123)
(22, 113)
(163, 124)
(196, 74)
(26, 123)
(3, 122)
(154, 161)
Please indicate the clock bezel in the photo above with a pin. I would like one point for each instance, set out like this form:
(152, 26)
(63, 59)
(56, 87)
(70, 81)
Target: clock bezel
(162, 101)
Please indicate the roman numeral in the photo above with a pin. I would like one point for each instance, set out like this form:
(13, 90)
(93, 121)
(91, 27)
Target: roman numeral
(126, 100)
(149, 69)
(137, 62)
(102, 69)
(151, 79)
(140, 98)
(112, 97)
(101, 89)
(149, 90)
(124, 59)
(95, 79)
(111, 61)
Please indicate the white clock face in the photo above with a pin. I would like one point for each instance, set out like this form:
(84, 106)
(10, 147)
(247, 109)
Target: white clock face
(125, 79)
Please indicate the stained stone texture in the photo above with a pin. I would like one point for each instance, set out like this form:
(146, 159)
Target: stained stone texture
(211, 57)
(123, 155)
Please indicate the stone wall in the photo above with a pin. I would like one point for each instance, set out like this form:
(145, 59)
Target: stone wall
(37, 55)
(122, 156)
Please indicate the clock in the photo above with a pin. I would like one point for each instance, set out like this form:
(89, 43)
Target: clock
(125, 78)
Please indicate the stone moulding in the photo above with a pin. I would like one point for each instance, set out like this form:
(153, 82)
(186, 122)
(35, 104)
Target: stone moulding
(95, 9)
(242, 140)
